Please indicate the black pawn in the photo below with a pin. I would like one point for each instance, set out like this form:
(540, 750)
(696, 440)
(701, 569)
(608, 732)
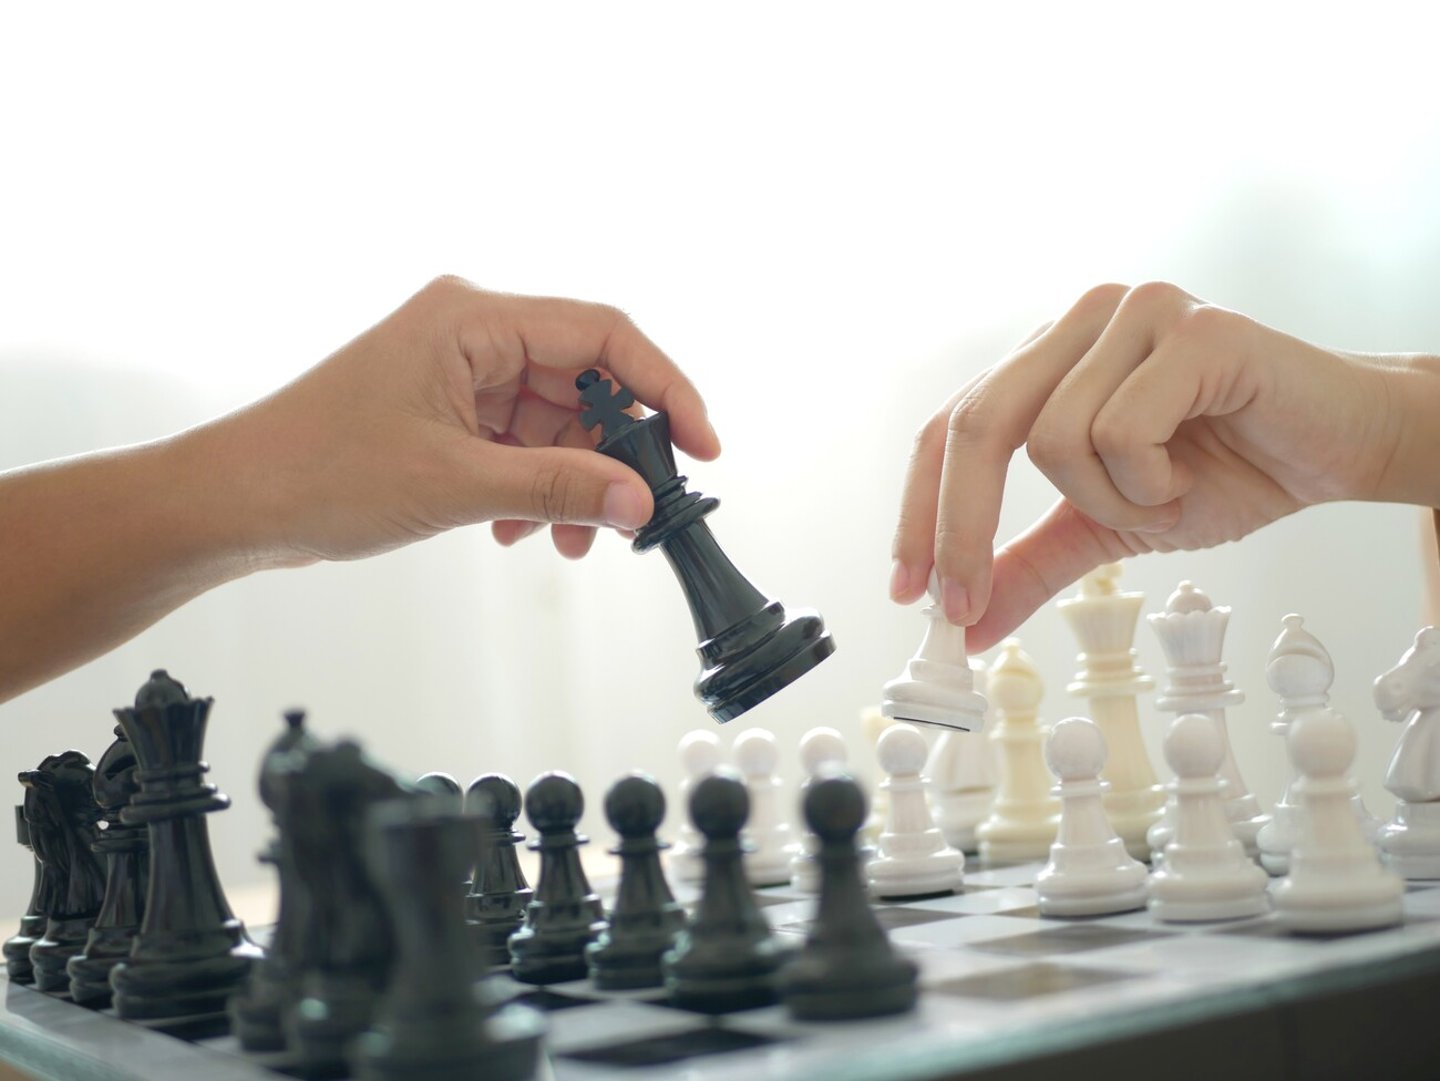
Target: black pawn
(727, 959)
(257, 1012)
(32, 924)
(61, 813)
(847, 969)
(191, 953)
(645, 919)
(443, 786)
(749, 648)
(435, 1022)
(565, 915)
(495, 906)
(126, 852)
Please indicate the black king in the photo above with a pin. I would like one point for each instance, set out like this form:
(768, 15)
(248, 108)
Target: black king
(749, 648)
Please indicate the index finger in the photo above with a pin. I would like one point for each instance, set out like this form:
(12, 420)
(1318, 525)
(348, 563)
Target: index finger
(573, 335)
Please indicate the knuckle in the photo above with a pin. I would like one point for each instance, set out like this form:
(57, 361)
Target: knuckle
(1112, 435)
(1156, 299)
(1104, 297)
(1205, 322)
(552, 494)
(1051, 447)
(446, 285)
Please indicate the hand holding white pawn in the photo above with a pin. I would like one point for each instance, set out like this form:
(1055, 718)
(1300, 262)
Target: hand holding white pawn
(821, 750)
(699, 757)
(1090, 872)
(767, 860)
(913, 859)
(1336, 882)
(1206, 874)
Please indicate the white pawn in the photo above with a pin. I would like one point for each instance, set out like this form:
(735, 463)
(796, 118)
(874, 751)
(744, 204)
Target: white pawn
(699, 753)
(770, 842)
(1336, 882)
(1206, 874)
(1024, 817)
(913, 858)
(1090, 873)
(937, 686)
(821, 750)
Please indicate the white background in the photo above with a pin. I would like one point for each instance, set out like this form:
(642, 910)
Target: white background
(831, 216)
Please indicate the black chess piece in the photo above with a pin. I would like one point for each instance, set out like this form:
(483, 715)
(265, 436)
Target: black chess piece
(727, 959)
(495, 906)
(749, 648)
(257, 1012)
(126, 852)
(435, 1021)
(61, 813)
(346, 944)
(191, 953)
(847, 969)
(565, 915)
(32, 924)
(645, 919)
(444, 786)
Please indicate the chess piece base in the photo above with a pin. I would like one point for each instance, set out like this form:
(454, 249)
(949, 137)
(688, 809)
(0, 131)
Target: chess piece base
(503, 1047)
(556, 957)
(1367, 905)
(1410, 842)
(1111, 885)
(50, 955)
(899, 877)
(182, 991)
(813, 991)
(741, 677)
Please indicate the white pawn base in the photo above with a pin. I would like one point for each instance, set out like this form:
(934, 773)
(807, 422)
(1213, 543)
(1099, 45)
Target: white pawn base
(896, 877)
(1410, 842)
(1341, 906)
(1100, 883)
(1208, 905)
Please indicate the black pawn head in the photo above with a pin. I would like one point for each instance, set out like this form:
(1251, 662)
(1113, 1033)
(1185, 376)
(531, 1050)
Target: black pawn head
(635, 806)
(496, 797)
(553, 803)
(442, 787)
(834, 809)
(160, 691)
(719, 806)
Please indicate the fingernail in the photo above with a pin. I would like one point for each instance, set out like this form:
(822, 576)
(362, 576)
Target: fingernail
(899, 580)
(955, 601)
(623, 507)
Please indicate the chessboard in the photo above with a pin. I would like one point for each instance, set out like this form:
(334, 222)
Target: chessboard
(1005, 994)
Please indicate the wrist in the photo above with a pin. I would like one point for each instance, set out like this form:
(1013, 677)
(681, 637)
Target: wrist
(1412, 471)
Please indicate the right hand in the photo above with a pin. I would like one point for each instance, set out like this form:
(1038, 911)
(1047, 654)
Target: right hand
(1165, 423)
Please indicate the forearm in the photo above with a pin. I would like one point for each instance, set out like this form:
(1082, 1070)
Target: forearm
(95, 549)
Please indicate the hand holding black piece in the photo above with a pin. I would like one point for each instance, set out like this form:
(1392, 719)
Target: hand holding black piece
(749, 648)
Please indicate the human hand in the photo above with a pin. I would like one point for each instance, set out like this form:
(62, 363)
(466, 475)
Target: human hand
(460, 407)
(1165, 423)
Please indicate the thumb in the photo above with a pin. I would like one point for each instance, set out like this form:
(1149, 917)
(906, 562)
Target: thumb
(559, 484)
(1031, 569)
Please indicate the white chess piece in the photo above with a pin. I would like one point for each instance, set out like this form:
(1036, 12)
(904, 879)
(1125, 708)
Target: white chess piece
(1103, 620)
(821, 750)
(1090, 872)
(872, 725)
(1205, 874)
(1336, 882)
(936, 687)
(1410, 693)
(913, 859)
(961, 776)
(771, 843)
(1024, 817)
(1299, 671)
(699, 753)
(1192, 634)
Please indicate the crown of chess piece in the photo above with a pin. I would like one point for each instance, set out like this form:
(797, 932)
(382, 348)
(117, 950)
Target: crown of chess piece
(434, 1021)
(565, 915)
(646, 918)
(257, 1012)
(937, 686)
(61, 814)
(345, 939)
(749, 647)
(495, 906)
(32, 924)
(1091, 871)
(1409, 694)
(847, 968)
(126, 852)
(1336, 882)
(1103, 619)
(727, 959)
(191, 953)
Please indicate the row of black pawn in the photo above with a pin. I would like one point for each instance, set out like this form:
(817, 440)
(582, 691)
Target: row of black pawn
(726, 957)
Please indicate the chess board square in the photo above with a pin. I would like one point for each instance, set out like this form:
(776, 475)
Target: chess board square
(673, 1047)
(543, 998)
(890, 917)
(1072, 938)
(1026, 982)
